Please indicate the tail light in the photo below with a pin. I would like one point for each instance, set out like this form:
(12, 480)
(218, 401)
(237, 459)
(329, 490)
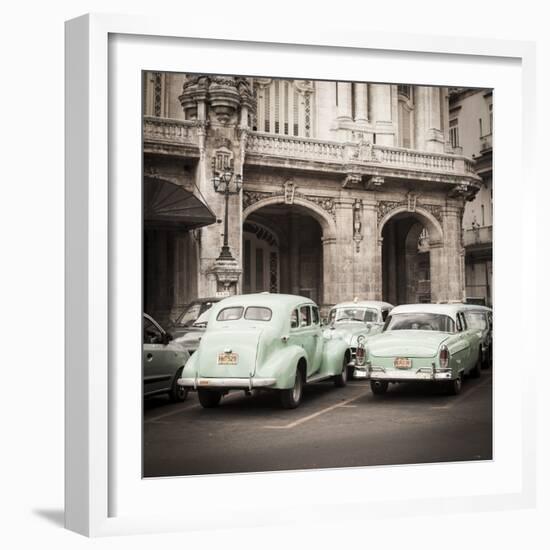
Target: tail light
(360, 356)
(444, 357)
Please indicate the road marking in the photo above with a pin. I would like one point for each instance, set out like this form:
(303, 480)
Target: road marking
(166, 415)
(318, 413)
(462, 396)
(184, 408)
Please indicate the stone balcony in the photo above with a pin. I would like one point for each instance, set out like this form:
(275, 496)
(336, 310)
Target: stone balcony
(486, 143)
(478, 236)
(170, 136)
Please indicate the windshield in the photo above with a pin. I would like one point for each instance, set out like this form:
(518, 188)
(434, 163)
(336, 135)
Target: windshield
(202, 319)
(420, 321)
(346, 314)
(191, 315)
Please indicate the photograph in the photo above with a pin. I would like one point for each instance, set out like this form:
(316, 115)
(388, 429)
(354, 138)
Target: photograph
(317, 274)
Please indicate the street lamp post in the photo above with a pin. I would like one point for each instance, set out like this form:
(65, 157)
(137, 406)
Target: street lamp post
(222, 179)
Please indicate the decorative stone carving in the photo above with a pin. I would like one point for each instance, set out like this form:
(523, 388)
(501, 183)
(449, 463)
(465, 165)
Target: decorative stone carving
(225, 95)
(352, 180)
(374, 182)
(357, 233)
(289, 189)
(326, 203)
(411, 204)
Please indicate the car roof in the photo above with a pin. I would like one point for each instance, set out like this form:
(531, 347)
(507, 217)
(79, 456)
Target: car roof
(475, 306)
(365, 303)
(442, 309)
(274, 301)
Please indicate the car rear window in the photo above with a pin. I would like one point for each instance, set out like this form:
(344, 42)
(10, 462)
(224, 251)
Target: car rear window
(254, 313)
(230, 313)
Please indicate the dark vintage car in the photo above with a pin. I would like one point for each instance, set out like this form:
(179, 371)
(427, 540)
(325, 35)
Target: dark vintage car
(163, 360)
(189, 327)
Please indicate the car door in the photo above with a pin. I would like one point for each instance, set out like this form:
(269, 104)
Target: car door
(308, 337)
(474, 336)
(317, 337)
(161, 359)
(462, 350)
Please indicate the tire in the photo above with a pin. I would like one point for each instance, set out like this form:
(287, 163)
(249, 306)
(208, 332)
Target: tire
(177, 394)
(476, 371)
(291, 398)
(455, 386)
(209, 398)
(340, 380)
(379, 387)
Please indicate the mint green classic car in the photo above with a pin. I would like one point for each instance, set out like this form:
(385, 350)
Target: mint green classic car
(424, 342)
(357, 320)
(264, 341)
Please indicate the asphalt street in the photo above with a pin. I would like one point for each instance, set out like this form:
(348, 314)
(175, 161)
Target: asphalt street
(333, 427)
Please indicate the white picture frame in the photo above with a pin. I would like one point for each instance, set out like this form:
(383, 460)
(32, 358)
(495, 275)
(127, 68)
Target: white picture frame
(104, 52)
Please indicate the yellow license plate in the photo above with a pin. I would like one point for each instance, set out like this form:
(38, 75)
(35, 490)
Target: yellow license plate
(227, 358)
(402, 363)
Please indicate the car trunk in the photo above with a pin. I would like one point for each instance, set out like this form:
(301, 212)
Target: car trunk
(406, 343)
(237, 348)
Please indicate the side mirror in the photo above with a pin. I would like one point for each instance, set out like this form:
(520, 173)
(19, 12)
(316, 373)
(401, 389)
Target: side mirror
(167, 338)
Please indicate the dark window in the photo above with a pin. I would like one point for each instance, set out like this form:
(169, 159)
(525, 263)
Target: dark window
(151, 333)
(305, 316)
(254, 313)
(294, 319)
(385, 313)
(230, 314)
(459, 326)
(315, 315)
(420, 321)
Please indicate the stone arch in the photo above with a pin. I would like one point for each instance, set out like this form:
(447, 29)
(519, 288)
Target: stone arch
(326, 221)
(426, 218)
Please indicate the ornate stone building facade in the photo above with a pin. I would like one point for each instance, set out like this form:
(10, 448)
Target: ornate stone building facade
(339, 190)
(471, 131)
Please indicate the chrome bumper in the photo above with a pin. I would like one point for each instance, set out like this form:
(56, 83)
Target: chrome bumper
(380, 373)
(235, 383)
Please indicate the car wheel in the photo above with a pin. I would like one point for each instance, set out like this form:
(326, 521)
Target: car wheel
(340, 380)
(209, 398)
(178, 394)
(291, 398)
(379, 387)
(455, 386)
(476, 371)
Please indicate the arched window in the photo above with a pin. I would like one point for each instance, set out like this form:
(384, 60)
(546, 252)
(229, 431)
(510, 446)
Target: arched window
(284, 107)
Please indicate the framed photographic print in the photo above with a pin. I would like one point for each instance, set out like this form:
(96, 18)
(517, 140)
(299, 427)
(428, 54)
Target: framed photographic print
(288, 278)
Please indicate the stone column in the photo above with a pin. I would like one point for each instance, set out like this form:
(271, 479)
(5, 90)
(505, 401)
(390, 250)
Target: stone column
(344, 100)
(391, 262)
(330, 271)
(381, 113)
(361, 102)
(369, 259)
(294, 254)
(428, 130)
(447, 259)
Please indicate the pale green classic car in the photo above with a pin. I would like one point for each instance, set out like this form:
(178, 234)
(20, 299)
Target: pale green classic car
(264, 341)
(424, 342)
(355, 320)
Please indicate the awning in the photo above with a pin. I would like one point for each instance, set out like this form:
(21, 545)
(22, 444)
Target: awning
(173, 206)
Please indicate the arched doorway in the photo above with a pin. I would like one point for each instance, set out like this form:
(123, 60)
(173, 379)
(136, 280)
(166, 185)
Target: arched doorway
(407, 263)
(283, 251)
